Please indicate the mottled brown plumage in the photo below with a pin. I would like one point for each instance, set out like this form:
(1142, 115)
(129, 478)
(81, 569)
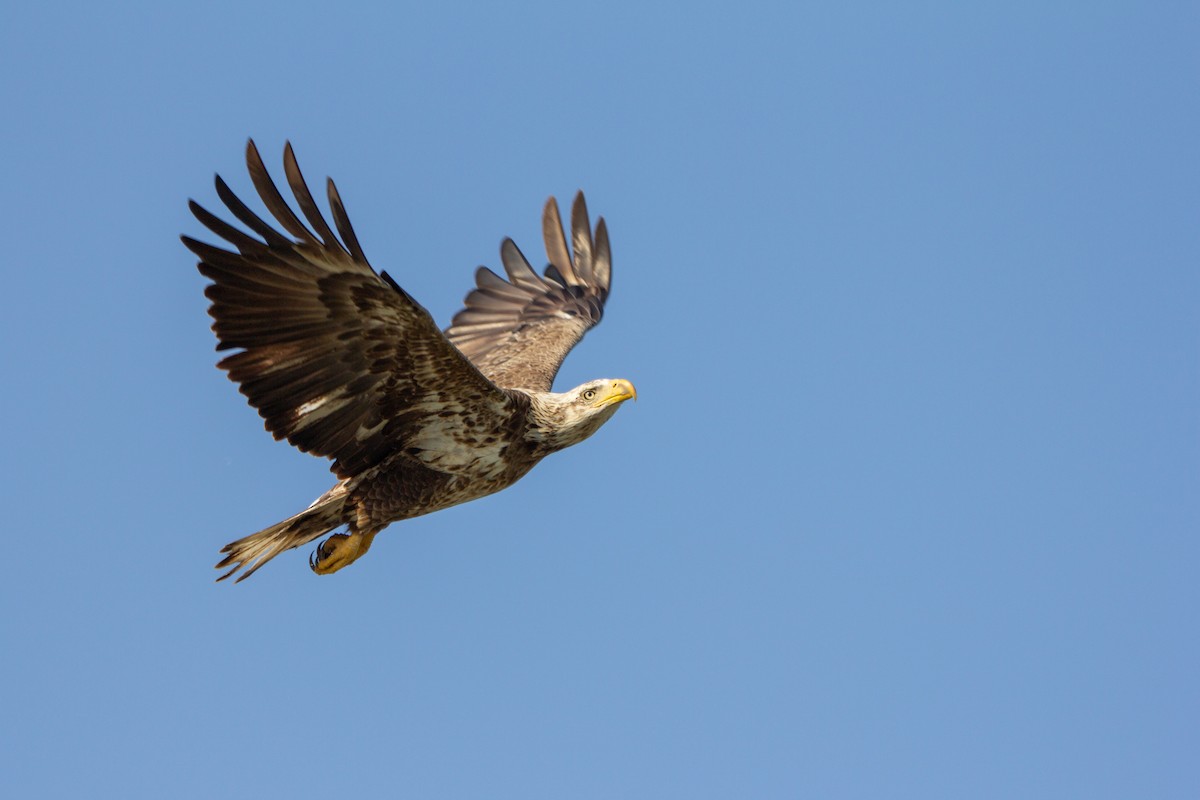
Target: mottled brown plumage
(343, 363)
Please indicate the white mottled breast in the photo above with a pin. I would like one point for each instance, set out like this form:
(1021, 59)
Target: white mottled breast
(458, 441)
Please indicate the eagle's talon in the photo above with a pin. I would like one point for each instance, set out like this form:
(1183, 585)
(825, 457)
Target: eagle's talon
(339, 550)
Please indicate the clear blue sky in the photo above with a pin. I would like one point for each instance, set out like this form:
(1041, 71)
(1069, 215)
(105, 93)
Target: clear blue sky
(908, 506)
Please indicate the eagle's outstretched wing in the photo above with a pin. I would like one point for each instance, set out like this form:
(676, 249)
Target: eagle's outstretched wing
(518, 331)
(337, 359)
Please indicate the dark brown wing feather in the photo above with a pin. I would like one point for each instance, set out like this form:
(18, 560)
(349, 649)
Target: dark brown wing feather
(338, 359)
(518, 331)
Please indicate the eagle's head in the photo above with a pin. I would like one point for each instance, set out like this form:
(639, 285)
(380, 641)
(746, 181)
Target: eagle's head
(562, 419)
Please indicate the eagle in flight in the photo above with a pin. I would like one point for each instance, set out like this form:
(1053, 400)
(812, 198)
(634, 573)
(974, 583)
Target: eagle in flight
(343, 363)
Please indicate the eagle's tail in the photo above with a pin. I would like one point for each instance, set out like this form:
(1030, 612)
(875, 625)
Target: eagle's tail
(258, 548)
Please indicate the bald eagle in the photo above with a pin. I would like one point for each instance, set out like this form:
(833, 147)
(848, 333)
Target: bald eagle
(345, 364)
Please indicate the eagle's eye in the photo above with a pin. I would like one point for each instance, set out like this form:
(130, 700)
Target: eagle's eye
(590, 394)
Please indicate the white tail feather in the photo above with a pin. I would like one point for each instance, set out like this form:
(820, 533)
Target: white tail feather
(257, 549)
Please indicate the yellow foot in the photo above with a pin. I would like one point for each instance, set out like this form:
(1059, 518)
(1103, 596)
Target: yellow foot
(339, 550)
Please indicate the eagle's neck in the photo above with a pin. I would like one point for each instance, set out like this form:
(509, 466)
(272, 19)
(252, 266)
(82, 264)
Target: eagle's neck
(558, 420)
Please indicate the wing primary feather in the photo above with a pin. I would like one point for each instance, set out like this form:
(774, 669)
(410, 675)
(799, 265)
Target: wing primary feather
(581, 239)
(248, 217)
(556, 242)
(602, 257)
(211, 254)
(554, 275)
(518, 268)
(304, 198)
(271, 197)
(342, 220)
(239, 239)
(487, 280)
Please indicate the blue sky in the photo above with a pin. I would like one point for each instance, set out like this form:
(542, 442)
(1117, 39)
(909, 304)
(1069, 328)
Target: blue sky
(907, 506)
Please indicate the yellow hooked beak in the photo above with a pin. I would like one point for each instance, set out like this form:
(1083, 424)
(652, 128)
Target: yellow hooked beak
(617, 392)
